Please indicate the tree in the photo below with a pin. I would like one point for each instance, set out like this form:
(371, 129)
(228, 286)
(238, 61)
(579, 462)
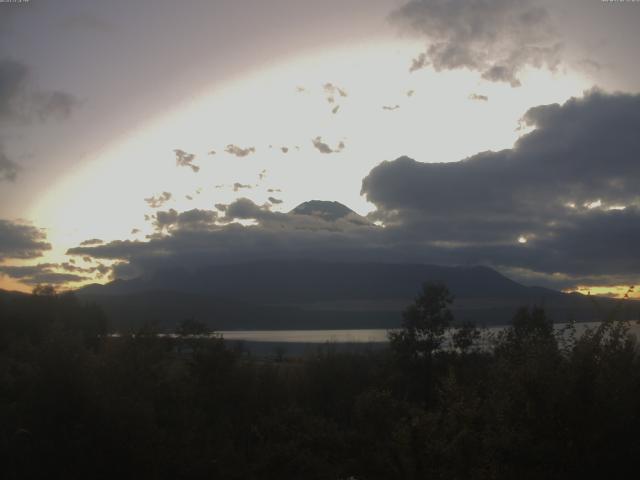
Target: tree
(191, 327)
(424, 323)
(465, 337)
(531, 333)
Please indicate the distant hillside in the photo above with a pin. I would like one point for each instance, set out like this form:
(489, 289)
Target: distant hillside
(279, 282)
(309, 294)
(330, 211)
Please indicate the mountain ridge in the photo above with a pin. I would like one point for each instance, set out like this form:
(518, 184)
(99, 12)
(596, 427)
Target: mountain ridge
(303, 294)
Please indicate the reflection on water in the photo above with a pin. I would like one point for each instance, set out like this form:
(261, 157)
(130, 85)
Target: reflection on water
(308, 336)
(359, 336)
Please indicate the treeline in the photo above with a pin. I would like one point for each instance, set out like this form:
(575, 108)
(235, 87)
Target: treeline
(76, 403)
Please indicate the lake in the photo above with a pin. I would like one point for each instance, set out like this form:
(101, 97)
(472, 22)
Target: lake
(356, 336)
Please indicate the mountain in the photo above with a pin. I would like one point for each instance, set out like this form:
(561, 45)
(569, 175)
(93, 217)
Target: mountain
(329, 211)
(311, 294)
(286, 282)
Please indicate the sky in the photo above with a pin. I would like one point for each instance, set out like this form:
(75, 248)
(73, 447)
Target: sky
(141, 135)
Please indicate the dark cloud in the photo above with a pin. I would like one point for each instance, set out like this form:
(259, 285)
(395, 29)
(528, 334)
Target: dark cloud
(158, 201)
(262, 175)
(21, 101)
(71, 267)
(335, 109)
(275, 201)
(8, 168)
(323, 147)
(274, 190)
(418, 63)
(275, 235)
(410, 93)
(40, 274)
(92, 241)
(285, 149)
(476, 96)
(21, 241)
(13, 88)
(497, 38)
(184, 159)
(559, 191)
(190, 219)
(59, 105)
(560, 208)
(44, 273)
(239, 151)
(391, 108)
(245, 209)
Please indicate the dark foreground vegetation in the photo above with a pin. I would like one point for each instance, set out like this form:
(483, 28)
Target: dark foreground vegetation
(76, 403)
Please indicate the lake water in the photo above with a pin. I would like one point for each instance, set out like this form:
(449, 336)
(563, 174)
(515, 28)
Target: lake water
(356, 336)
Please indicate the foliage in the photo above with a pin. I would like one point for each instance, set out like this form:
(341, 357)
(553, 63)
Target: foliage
(76, 403)
(424, 323)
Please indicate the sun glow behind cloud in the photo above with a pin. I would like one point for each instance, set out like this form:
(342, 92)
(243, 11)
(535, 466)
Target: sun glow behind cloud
(437, 119)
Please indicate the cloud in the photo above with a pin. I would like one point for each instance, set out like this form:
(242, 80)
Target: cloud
(8, 168)
(58, 105)
(478, 97)
(212, 240)
(561, 188)
(419, 63)
(275, 201)
(332, 89)
(239, 186)
(325, 148)
(284, 149)
(92, 241)
(13, 88)
(391, 108)
(21, 101)
(21, 241)
(331, 92)
(560, 208)
(158, 201)
(44, 273)
(239, 151)
(190, 219)
(497, 38)
(184, 159)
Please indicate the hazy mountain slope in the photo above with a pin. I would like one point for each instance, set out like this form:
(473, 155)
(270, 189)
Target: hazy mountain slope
(307, 281)
(305, 294)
